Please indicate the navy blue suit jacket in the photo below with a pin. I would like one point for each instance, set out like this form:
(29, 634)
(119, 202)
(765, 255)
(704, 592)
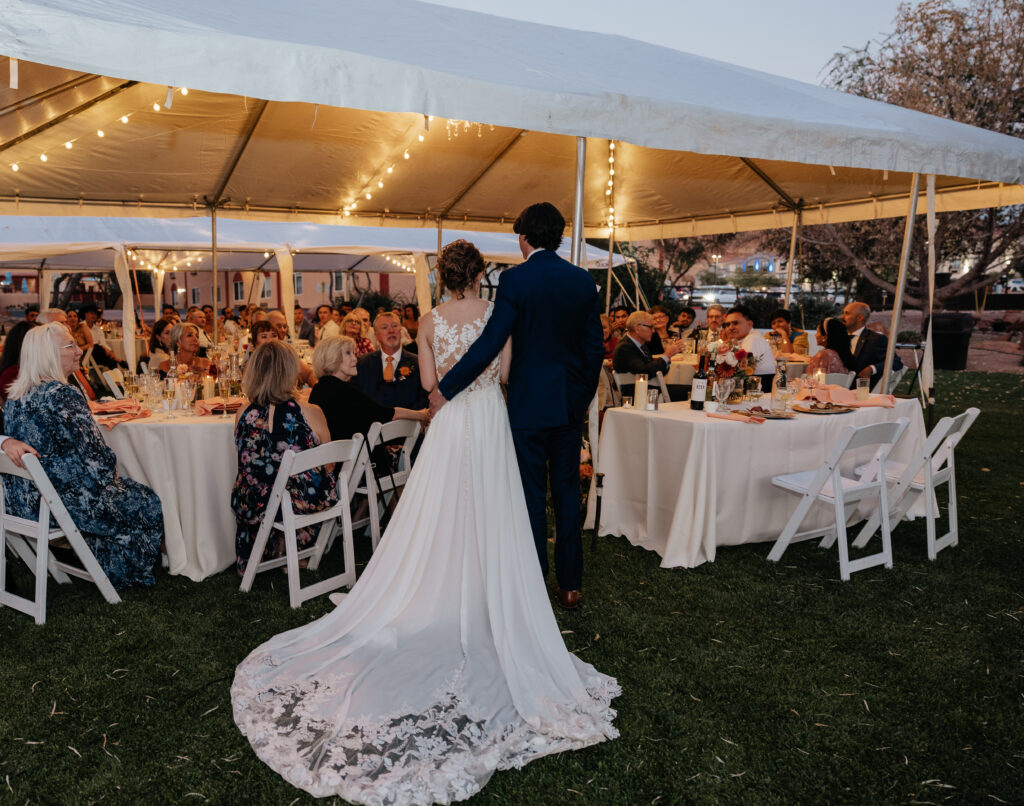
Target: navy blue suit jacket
(404, 391)
(551, 310)
(871, 347)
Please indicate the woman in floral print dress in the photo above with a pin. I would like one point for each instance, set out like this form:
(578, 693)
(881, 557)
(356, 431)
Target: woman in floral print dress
(120, 519)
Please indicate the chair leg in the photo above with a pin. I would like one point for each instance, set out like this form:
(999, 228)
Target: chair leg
(42, 574)
(844, 549)
(784, 539)
(372, 491)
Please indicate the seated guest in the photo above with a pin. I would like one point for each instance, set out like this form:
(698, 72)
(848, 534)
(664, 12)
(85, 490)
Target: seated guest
(606, 334)
(364, 321)
(391, 375)
(195, 316)
(348, 409)
(618, 315)
(715, 323)
(633, 354)
(48, 315)
(171, 313)
(303, 327)
(185, 347)
(270, 329)
(275, 422)
(662, 332)
(739, 327)
(686, 322)
(411, 320)
(9, 360)
(120, 519)
(791, 340)
(868, 346)
(835, 355)
(352, 327)
(229, 322)
(160, 344)
(15, 449)
(325, 326)
(31, 313)
(279, 323)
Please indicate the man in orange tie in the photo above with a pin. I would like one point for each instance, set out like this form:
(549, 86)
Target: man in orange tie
(391, 375)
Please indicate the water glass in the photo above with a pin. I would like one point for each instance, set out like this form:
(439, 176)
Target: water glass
(863, 388)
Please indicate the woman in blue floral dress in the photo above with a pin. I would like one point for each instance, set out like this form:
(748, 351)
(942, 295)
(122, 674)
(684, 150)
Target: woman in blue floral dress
(273, 423)
(120, 519)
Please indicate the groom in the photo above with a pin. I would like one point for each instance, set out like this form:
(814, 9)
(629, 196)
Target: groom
(551, 310)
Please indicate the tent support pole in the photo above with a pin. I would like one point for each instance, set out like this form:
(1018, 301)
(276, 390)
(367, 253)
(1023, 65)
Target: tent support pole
(901, 280)
(791, 266)
(213, 244)
(577, 207)
(611, 257)
(929, 356)
(437, 285)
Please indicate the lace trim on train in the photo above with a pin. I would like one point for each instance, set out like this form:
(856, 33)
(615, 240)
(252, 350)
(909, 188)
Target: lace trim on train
(442, 754)
(451, 342)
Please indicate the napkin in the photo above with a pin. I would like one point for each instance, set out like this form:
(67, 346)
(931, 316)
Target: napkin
(204, 407)
(113, 405)
(737, 417)
(110, 422)
(831, 393)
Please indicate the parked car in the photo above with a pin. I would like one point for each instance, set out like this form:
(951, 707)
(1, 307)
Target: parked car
(726, 295)
(1015, 286)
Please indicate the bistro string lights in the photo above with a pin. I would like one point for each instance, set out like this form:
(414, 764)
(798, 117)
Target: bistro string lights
(101, 130)
(609, 192)
(385, 172)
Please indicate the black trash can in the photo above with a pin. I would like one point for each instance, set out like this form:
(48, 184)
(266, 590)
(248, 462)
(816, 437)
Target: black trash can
(951, 336)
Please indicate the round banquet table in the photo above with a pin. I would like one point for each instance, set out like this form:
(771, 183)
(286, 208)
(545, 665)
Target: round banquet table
(190, 463)
(681, 484)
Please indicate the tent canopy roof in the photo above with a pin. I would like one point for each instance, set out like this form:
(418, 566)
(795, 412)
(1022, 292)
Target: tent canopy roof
(299, 110)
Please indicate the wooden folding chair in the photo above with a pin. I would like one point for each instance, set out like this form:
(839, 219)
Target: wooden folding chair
(386, 485)
(19, 533)
(931, 466)
(828, 485)
(280, 516)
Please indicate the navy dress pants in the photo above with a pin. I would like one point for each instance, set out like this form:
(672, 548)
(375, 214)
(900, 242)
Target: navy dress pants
(554, 451)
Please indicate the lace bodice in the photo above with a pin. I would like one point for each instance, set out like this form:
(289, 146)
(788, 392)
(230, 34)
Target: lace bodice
(452, 339)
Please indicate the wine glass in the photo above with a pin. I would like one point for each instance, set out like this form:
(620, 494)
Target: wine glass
(169, 393)
(723, 388)
(188, 394)
(224, 390)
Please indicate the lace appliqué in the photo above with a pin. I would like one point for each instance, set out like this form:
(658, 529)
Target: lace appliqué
(451, 342)
(444, 753)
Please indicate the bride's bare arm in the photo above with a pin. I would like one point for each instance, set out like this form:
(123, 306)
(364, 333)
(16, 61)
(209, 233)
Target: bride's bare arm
(506, 359)
(424, 346)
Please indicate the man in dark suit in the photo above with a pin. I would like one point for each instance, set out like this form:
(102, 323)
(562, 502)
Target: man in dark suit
(391, 375)
(551, 310)
(303, 327)
(868, 347)
(632, 354)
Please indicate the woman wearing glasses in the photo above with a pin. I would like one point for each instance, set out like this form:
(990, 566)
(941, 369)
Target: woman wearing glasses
(120, 519)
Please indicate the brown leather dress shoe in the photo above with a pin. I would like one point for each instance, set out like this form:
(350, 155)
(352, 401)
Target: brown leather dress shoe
(568, 600)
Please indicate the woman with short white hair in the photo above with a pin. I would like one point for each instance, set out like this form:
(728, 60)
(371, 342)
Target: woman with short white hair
(120, 519)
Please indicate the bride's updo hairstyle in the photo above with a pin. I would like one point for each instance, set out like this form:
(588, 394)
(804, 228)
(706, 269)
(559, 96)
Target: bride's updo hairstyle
(459, 264)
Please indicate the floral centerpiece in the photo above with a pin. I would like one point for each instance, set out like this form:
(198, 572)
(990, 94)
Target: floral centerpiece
(729, 360)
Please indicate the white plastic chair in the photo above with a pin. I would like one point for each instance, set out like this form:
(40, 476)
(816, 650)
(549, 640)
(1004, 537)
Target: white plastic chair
(18, 533)
(114, 379)
(280, 516)
(386, 484)
(894, 380)
(843, 379)
(659, 377)
(931, 466)
(623, 379)
(828, 485)
(614, 395)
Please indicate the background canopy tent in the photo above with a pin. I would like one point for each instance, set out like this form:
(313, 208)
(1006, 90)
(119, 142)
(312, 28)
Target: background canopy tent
(307, 111)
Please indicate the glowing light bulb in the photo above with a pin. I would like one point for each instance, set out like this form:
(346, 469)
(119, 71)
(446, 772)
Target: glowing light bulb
(184, 90)
(380, 183)
(14, 167)
(608, 192)
(406, 155)
(611, 145)
(347, 213)
(611, 160)
(610, 183)
(421, 138)
(99, 133)
(266, 254)
(124, 118)
(42, 158)
(68, 145)
(156, 107)
(369, 196)
(391, 168)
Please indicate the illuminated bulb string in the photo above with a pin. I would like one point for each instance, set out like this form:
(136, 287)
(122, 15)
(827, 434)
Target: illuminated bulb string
(101, 132)
(609, 193)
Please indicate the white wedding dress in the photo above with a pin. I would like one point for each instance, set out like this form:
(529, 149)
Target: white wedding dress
(445, 662)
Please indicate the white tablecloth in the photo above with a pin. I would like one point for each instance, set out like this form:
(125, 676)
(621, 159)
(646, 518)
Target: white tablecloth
(117, 348)
(190, 463)
(681, 484)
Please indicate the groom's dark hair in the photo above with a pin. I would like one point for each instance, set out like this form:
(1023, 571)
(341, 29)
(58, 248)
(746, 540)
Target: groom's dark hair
(542, 226)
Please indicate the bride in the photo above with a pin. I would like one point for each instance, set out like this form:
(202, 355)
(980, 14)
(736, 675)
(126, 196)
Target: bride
(445, 662)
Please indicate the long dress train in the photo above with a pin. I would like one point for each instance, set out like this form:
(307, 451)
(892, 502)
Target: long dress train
(445, 662)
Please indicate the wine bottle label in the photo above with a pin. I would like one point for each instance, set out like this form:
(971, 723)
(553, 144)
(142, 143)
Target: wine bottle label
(699, 390)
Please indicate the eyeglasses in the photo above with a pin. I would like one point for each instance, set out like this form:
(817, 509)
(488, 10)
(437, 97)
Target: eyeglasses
(70, 346)
(644, 324)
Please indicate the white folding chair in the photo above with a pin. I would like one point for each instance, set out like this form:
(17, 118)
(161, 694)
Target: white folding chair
(114, 379)
(614, 395)
(659, 377)
(829, 486)
(931, 466)
(623, 379)
(386, 485)
(894, 380)
(280, 516)
(18, 533)
(843, 379)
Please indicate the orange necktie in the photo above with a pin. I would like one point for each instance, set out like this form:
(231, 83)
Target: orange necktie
(389, 370)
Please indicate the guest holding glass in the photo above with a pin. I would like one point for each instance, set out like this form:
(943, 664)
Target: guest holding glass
(275, 422)
(120, 519)
(835, 355)
(787, 340)
(663, 334)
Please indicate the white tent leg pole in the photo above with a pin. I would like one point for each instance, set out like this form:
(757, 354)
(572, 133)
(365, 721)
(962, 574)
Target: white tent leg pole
(422, 276)
(437, 287)
(928, 370)
(127, 305)
(158, 293)
(901, 280)
(286, 269)
(611, 258)
(213, 244)
(791, 266)
(577, 207)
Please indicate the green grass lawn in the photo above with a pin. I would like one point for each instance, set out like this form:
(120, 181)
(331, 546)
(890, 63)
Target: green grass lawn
(743, 681)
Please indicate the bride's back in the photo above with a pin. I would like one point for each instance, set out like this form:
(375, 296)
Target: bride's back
(456, 325)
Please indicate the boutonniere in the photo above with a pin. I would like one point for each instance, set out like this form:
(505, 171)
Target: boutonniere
(404, 372)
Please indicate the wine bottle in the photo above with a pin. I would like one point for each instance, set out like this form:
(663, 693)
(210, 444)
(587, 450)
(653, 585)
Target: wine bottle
(699, 387)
